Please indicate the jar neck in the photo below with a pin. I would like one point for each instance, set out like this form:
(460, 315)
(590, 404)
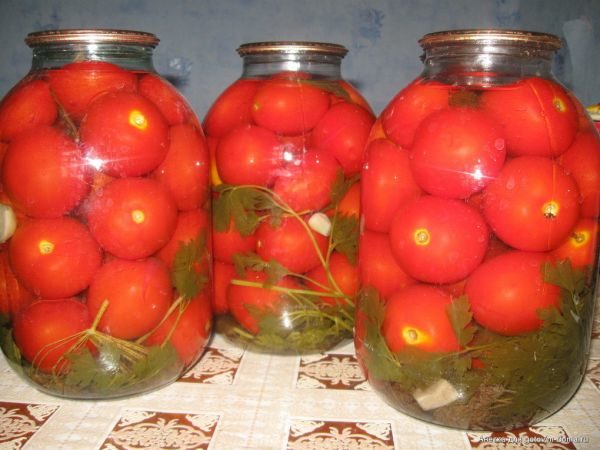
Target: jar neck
(319, 66)
(130, 57)
(486, 62)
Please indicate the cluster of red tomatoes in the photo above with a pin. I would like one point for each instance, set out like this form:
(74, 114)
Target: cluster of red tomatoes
(292, 136)
(107, 172)
(470, 191)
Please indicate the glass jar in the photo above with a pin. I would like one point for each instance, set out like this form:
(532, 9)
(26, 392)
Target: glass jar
(480, 204)
(105, 248)
(287, 140)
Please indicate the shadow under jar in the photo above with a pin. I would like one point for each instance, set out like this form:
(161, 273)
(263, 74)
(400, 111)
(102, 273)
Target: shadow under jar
(480, 203)
(287, 140)
(105, 254)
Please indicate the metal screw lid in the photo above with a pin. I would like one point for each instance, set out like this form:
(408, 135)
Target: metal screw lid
(292, 47)
(537, 40)
(88, 36)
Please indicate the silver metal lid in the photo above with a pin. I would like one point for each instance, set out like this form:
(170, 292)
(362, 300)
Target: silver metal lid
(88, 36)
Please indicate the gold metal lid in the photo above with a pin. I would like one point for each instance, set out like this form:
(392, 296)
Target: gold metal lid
(292, 47)
(541, 41)
(90, 36)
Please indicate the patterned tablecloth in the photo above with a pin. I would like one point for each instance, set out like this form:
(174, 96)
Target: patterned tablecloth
(234, 399)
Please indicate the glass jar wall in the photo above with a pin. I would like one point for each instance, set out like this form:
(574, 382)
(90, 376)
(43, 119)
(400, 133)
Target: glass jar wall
(287, 140)
(480, 204)
(105, 252)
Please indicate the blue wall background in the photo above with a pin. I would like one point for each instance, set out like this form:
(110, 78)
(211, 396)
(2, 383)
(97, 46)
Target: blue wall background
(199, 38)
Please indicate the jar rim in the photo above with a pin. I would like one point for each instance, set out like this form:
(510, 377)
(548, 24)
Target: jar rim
(292, 47)
(90, 36)
(524, 38)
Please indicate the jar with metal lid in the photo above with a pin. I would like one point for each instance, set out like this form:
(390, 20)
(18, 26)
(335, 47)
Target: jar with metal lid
(105, 254)
(480, 204)
(287, 140)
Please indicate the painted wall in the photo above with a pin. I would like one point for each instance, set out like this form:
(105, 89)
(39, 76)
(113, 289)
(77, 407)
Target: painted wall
(199, 38)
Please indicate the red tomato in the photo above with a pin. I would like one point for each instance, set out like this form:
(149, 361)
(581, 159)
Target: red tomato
(124, 135)
(417, 317)
(290, 244)
(46, 330)
(132, 217)
(54, 258)
(223, 273)
(305, 184)
(343, 132)
(582, 162)
(170, 103)
(138, 294)
(231, 109)
(580, 246)
(345, 275)
(506, 292)
(289, 106)
(409, 107)
(77, 84)
(533, 204)
(438, 240)
(537, 115)
(188, 328)
(190, 225)
(228, 243)
(44, 174)
(26, 106)
(184, 171)
(456, 152)
(248, 155)
(387, 184)
(13, 295)
(378, 266)
(248, 304)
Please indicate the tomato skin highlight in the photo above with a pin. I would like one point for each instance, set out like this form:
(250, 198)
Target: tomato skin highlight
(132, 218)
(533, 204)
(27, 105)
(438, 240)
(54, 258)
(44, 173)
(138, 293)
(124, 134)
(456, 152)
(45, 331)
(416, 316)
(506, 292)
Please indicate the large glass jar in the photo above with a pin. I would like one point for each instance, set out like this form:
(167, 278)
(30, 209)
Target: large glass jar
(105, 254)
(288, 140)
(480, 203)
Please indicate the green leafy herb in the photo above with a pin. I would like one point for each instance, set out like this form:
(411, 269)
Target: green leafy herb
(273, 269)
(185, 275)
(518, 379)
(344, 236)
(332, 87)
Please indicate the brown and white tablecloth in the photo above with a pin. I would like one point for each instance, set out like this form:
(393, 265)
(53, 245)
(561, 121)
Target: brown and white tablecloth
(234, 399)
